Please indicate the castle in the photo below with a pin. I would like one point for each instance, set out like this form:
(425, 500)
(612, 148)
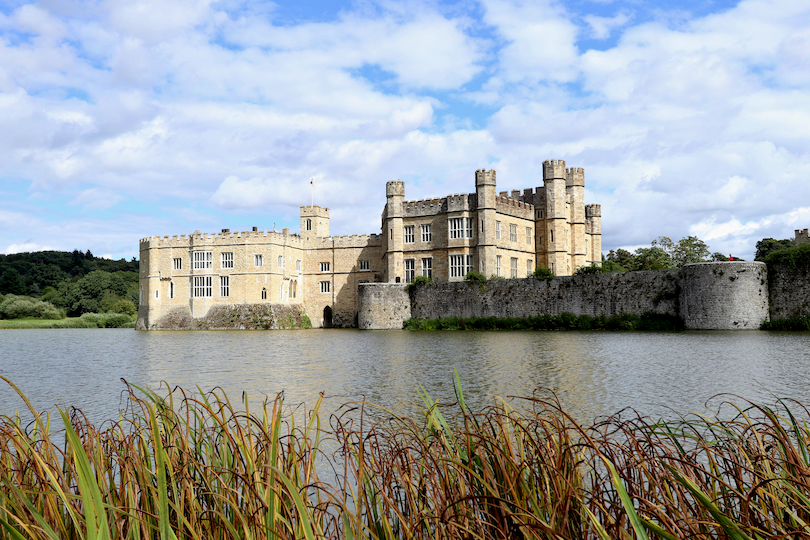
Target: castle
(504, 235)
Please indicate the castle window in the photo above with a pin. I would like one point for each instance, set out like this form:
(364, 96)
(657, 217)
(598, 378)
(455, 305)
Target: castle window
(258, 260)
(203, 260)
(410, 270)
(293, 288)
(529, 268)
(551, 235)
(324, 267)
(281, 261)
(461, 228)
(177, 263)
(171, 289)
(427, 233)
(264, 294)
(497, 230)
(541, 214)
(498, 265)
(140, 294)
(528, 235)
(157, 294)
(363, 265)
(409, 234)
(539, 240)
(325, 286)
(512, 232)
(224, 285)
(513, 267)
(298, 266)
(309, 224)
(281, 292)
(427, 268)
(456, 265)
(227, 260)
(203, 287)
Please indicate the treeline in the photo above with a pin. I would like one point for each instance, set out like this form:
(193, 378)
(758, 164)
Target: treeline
(74, 283)
(662, 254)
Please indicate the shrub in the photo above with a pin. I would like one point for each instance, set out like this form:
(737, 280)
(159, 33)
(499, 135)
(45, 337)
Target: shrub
(590, 269)
(475, 277)
(541, 272)
(17, 307)
(418, 280)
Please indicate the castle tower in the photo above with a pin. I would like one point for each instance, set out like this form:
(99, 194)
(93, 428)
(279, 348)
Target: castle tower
(314, 222)
(575, 188)
(555, 253)
(485, 220)
(393, 231)
(593, 217)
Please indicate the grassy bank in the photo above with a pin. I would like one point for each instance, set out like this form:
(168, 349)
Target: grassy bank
(794, 323)
(187, 468)
(88, 320)
(564, 321)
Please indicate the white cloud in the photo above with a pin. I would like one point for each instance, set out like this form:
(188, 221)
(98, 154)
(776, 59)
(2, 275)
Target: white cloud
(26, 248)
(602, 27)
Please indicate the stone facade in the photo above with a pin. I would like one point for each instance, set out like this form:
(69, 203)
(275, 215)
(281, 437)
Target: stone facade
(709, 296)
(506, 234)
(802, 236)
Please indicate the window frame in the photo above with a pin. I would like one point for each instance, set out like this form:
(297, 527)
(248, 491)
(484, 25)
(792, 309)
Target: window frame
(410, 270)
(427, 267)
(203, 287)
(513, 267)
(202, 260)
(224, 286)
(326, 287)
(427, 232)
(177, 263)
(497, 266)
(497, 230)
(226, 259)
(258, 260)
(513, 232)
(325, 266)
(409, 234)
(364, 265)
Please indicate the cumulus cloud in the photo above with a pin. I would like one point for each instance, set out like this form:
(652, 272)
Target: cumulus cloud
(208, 111)
(26, 248)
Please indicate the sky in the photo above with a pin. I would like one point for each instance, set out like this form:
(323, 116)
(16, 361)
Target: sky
(123, 119)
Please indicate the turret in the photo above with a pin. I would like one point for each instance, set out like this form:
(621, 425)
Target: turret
(395, 196)
(555, 250)
(575, 189)
(485, 220)
(314, 222)
(593, 218)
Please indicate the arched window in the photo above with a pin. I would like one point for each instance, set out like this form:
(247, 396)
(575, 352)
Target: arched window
(264, 293)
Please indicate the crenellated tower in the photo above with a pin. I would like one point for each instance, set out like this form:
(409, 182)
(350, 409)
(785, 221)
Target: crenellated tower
(555, 252)
(593, 218)
(485, 220)
(575, 195)
(393, 230)
(314, 222)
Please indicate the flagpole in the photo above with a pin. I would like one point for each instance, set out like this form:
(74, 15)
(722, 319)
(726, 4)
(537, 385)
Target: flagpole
(312, 184)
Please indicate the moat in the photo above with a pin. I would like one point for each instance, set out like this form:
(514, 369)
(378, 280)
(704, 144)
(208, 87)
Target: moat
(594, 373)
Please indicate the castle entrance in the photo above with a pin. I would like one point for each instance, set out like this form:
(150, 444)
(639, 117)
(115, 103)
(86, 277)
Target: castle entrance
(327, 317)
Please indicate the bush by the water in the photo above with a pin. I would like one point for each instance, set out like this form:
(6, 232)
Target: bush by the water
(108, 320)
(564, 321)
(794, 323)
(190, 467)
(18, 307)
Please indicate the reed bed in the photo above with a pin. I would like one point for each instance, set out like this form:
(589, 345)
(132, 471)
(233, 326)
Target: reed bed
(198, 466)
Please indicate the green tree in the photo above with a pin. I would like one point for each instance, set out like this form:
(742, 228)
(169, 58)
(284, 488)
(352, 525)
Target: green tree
(652, 258)
(766, 246)
(622, 257)
(610, 266)
(689, 250)
(11, 282)
(717, 256)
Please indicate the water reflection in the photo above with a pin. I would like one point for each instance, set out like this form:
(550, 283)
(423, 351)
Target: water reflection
(594, 373)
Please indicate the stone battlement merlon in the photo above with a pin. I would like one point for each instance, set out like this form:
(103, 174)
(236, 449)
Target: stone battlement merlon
(221, 238)
(348, 241)
(513, 207)
(593, 210)
(554, 169)
(575, 176)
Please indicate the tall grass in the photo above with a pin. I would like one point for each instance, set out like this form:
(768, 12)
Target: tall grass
(563, 321)
(179, 466)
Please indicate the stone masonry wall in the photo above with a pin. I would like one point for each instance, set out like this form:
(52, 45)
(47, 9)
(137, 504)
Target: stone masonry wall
(235, 317)
(594, 294)
(789, 288)
(708, 296)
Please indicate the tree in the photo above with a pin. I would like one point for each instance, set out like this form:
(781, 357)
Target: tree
(717, 256)
(622, 257)
(652, 258)
(690, 250)
(766, 246)
(11, 282)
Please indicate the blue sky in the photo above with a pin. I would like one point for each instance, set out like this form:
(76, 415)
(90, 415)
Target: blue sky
(123, 118)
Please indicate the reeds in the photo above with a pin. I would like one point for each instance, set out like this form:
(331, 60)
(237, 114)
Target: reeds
(181, 466)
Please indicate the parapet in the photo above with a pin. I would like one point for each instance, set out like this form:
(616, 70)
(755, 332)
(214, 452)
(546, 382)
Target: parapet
(484, 177)
(593, 210)
(424, 207)
(347, 241)
(575, 176)
(554, 169)
(314, 211)
(461, 202)
(395, 188)
(514, 207)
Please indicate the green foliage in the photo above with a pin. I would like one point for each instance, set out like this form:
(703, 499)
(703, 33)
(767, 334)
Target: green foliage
(623, 258)
(717, 256)
(592, 268)
(541, 272)
(107, 320)
(18, 307)
(662, 254)
(689, 250)
(801, 324)
(652, 258)
(564, 321)
(475, 277)
(417, 281)
(793, 257)
(610, 266)
(766, 246)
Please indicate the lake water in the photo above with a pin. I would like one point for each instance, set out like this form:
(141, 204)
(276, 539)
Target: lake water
(594, 373)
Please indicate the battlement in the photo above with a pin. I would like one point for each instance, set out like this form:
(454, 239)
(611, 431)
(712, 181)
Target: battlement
(348, 241)
(461, 202)
(802, 236)
(554, 169)
(314, 211)
(575, 176)
(514, 207)
(395, 188)
(223, 238)
(424, 207)
(484, 177)
(593, 210)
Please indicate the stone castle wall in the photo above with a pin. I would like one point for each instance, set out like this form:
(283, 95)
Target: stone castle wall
(789, 288)
(710, 296)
